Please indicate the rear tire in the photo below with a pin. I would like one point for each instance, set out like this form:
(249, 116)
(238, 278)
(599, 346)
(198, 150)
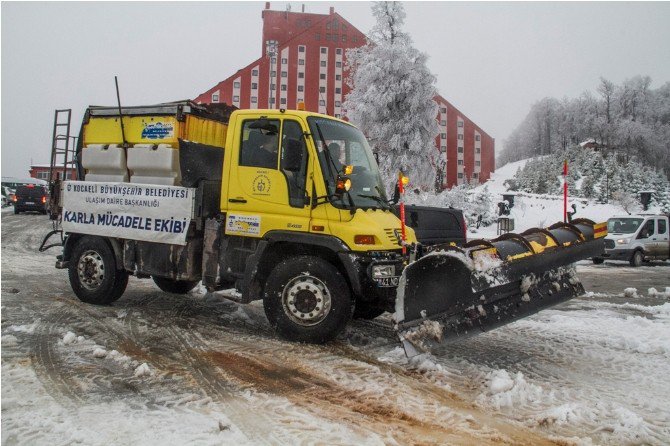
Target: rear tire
(306, 299)
(598, 260)
(637, 259)
(93, 274)
(175, 286)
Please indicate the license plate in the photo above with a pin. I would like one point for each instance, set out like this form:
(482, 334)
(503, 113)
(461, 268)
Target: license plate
(387, 281)
(29, 202)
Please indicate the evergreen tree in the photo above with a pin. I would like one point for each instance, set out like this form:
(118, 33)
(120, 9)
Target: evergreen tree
(391, 98)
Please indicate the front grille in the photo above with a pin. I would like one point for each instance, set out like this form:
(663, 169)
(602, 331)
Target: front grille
(609, 243)
(390, 234)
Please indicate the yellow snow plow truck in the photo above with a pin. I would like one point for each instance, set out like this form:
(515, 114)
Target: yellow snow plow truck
(287, 206)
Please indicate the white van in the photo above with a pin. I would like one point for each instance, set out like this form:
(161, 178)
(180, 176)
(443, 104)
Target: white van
(636, 238)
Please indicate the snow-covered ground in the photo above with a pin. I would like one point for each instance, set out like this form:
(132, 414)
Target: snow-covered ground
(156, 368)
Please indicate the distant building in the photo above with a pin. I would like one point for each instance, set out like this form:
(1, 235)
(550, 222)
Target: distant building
(591, 144)
(303, 59)
(41, 172)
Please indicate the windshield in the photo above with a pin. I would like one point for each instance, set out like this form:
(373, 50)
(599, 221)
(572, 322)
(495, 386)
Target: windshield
(339, 144)
(623, 225)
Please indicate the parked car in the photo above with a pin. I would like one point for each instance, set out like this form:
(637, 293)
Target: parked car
(7, 196)
(636, 238)
(30, 197)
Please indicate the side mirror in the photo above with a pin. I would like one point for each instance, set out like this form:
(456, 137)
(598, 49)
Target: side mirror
(293, 153)
(396, 195)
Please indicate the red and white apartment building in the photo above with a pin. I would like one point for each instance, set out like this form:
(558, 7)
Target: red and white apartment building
(303, 60)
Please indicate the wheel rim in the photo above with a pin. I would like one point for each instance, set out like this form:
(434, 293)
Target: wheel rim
(306, 300)
(91, 270)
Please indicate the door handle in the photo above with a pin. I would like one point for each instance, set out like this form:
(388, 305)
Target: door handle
(237, 200)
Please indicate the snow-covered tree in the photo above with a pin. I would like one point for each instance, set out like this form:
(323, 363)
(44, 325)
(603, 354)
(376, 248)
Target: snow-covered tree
(391, 98)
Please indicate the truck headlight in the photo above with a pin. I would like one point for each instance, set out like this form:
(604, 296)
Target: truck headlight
(380, 271)
(623, 241)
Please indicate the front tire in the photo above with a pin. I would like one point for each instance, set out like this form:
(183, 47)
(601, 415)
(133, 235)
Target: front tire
(306, 299)
(637, 259)
(93, 274)
(598, 260)
(174, 286)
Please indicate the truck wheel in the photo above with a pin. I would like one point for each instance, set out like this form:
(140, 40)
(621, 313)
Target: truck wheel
(598, 260)
(365, 310)
(637, 259)
(306, 299)
(93, 274)
(175, 286)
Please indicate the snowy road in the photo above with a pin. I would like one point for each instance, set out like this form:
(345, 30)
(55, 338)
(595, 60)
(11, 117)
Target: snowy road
(156, 368)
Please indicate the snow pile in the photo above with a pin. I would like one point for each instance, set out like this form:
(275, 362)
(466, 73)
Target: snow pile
(652, 292)
(506, 391)
(142, 370)
(99, 353)
(630, 292)
(26, 328)
(71, 338)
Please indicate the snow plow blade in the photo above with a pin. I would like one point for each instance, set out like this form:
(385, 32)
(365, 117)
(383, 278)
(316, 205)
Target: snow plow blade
(455, 292)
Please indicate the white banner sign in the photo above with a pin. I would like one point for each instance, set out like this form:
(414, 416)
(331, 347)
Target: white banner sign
(146, 212)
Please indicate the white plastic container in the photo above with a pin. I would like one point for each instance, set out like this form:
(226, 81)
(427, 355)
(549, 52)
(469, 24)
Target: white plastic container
(150, 164)
(104, 163)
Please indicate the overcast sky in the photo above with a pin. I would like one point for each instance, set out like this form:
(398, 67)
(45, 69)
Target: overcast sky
(491, 60)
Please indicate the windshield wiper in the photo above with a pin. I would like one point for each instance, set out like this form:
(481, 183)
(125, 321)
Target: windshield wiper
(378, 199)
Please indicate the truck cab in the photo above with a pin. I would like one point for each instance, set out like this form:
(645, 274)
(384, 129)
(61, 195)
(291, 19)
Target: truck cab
(636, 238)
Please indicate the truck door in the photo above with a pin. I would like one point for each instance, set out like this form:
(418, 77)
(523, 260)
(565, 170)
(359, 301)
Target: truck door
(269, 183)
(647, 237)
(662, 238)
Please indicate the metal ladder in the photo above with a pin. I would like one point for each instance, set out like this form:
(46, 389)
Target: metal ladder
(63, 155)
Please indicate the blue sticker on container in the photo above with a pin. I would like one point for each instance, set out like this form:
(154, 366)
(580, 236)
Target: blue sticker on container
(158, 130)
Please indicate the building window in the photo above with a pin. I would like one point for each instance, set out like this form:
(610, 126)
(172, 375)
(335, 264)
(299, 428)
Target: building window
(336, 37)
(354, 39)
(322, 102)
(272, 86)
(284, 74)
(323, 63)
(282, 101)
(283, 87)
(284, 60)
(301, 49)
(215, 97)
(338, 64)
(254, 99)
(338, 51)
(475, 175)
(460, 150)
(460, 136)
(254, 72)
(443, 110)
(460, 123)
(460, 175)
(236, 85)
(338, 90)
(322, 76)
(324, 50)
(328, 25)
(338, 77)
(273, 73)
(443, 122)
(334, 24)
(478, 150)
(301, 88)
(344, 27)
(344, 37)
(236, 99)
(300, 99)
(443, 135)
(317, 36)
(273, 60)
(322, 89)
(301, 61)
(338, 103)
(327, 36)
(301, 75)
(461, 162)
(254, 86)
(443, 149)
(478, 138)
(478, 163)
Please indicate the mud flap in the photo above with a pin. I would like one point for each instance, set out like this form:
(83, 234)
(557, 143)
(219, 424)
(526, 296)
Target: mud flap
(460, 292)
